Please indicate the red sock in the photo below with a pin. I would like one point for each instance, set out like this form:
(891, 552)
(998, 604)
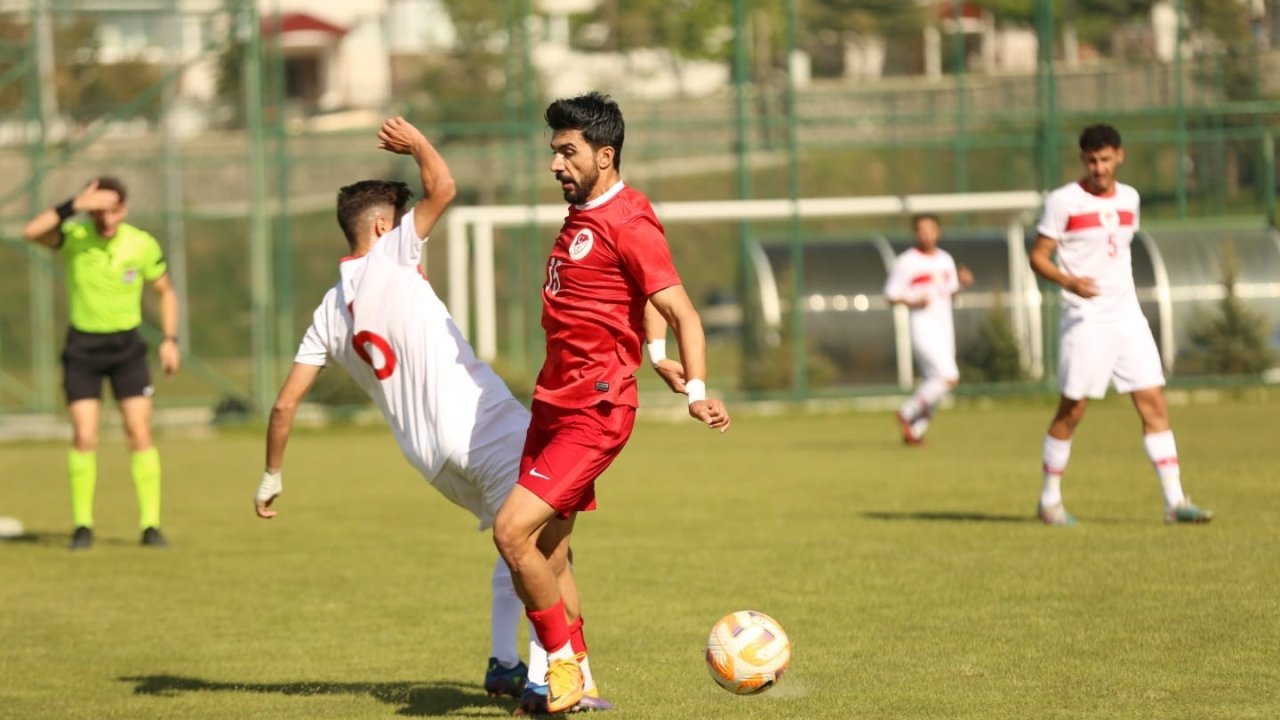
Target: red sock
(575, 637)
(550, 625)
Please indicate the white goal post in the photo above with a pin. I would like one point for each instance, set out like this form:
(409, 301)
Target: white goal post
(471, 235)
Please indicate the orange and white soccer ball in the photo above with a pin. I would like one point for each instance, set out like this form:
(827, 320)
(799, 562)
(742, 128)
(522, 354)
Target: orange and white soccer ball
(747, 652)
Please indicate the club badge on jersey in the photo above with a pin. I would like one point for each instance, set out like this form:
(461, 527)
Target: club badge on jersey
(581, 245)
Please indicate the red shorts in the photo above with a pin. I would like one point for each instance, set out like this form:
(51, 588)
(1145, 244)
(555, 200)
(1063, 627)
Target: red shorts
(566, 449)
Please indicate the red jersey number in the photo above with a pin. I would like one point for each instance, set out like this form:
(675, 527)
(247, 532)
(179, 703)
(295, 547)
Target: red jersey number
(361, 342)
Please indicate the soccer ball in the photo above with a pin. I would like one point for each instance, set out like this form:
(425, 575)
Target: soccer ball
(747, 652)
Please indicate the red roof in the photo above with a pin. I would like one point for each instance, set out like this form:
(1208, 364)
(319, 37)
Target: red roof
(299, 22)
(945, 10)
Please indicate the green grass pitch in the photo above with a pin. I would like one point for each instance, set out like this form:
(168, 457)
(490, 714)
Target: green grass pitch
(913, 582)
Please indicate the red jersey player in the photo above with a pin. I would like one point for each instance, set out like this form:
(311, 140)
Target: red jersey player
(610, 283)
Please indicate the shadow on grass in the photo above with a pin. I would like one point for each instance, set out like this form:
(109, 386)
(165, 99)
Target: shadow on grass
(415, 699)
(60, 539)
(950, 517)
(40, 537)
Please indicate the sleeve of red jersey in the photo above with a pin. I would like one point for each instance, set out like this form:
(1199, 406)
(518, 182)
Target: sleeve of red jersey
(402, 243)
(1137, 211)
(646, 255)
(1053, 221)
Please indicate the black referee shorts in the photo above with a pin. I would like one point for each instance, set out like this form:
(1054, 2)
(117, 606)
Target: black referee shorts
(119, 356)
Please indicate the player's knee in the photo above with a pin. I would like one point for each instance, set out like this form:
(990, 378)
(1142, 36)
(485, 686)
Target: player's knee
(84, 441)
(139, 439)
(509, 539)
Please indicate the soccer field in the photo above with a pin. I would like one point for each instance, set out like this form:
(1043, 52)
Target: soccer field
(914, 583)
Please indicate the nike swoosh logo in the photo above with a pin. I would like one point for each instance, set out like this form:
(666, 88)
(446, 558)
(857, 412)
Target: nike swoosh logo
(534, 472)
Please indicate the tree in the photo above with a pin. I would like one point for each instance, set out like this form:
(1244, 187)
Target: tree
(831, 24)
(995, 355)
(688, 28)
(1234, 339)
(14, 33)
(476, 79)
(86, 89)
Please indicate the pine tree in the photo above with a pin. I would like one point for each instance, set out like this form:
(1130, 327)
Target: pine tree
(1233, 340)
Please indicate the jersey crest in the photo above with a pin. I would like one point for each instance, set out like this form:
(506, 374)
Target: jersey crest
(581, 245)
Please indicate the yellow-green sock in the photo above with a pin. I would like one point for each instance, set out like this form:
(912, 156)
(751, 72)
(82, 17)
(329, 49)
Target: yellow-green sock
(82, 469)
(145, 465)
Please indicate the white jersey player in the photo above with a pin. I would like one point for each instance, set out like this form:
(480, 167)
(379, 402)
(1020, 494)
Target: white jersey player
(452, 416)
(1104, 339)
(924, 279)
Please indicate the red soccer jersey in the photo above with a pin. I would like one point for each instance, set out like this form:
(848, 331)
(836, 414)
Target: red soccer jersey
(611, 255)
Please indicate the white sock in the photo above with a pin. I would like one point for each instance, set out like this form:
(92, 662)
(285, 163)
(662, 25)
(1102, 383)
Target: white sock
(910, 409)
(1054, 459)
(565, 652)
(931, 393)
(920, 426)
(537, 660)
(920, 406)
(587, 681)
(505, 613)
(1163, 452)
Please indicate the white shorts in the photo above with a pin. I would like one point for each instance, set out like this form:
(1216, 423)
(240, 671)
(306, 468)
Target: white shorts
(936, 358)
(1092, 354)
(481, 481)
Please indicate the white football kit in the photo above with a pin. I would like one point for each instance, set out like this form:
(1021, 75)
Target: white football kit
(453, 417)
(1106, 338)
(917, 276)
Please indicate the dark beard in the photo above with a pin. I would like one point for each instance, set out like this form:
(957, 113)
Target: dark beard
(579, 193)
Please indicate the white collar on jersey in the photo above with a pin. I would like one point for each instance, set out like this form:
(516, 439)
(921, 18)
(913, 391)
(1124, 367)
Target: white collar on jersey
(606, 197)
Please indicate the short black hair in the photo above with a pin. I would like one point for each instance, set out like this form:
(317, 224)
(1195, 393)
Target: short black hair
(112, 183)
(920, 217)
(357, 199)
(1096, 137)
(596, 115)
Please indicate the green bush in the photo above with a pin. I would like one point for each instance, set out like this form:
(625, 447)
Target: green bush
(995, 355)
(1232, 340)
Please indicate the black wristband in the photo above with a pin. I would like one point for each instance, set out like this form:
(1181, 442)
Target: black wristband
(171, 337)
(65, 210)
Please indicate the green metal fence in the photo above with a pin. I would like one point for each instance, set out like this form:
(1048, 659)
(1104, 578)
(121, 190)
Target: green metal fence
(243, 203)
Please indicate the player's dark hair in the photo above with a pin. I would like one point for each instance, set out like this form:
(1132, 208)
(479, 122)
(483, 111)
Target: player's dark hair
(1096, 137)
(921, 217)
(112, 183)
(357, 199)
(596, 115)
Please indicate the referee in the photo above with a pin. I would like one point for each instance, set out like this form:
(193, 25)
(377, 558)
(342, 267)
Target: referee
(107, 260)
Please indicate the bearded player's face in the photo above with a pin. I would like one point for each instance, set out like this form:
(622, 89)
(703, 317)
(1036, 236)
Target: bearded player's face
(576, 165)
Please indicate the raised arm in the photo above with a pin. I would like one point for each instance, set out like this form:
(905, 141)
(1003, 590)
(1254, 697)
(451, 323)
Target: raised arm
(438, 189)
(674, 306)
(295, 388)
(1042, 264)
(46, 227)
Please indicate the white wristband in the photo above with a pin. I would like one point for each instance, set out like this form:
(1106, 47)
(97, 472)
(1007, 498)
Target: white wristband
(657, 351)
(270, 486)
(696, 390)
